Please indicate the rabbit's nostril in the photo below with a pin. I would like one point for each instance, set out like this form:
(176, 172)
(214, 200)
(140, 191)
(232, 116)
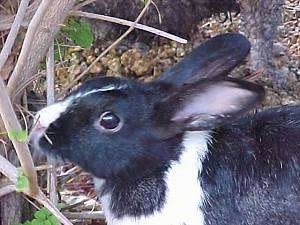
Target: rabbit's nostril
(38, 127)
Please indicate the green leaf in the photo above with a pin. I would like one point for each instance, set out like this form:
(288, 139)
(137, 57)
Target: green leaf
(46, 211)
(19, 135)
(22, 184)
(40, 215)
(53, 220)
(79, 32)
(37, 222)
(47, 222)
(145, 1)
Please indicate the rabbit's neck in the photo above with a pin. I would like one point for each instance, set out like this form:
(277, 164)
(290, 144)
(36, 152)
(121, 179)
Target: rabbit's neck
(183, 196)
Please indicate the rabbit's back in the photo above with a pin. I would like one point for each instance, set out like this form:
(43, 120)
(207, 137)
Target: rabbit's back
(251, 174)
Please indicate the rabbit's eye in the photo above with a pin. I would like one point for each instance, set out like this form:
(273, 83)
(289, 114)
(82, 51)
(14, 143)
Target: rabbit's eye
(110, 121)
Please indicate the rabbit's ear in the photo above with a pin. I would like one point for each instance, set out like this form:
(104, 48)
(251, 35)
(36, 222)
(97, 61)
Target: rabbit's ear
(214, 58)
(204, 105)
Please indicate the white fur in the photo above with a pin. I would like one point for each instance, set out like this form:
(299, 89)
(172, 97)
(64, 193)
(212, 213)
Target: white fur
(109, 87)
(51, 113)
(184, 196)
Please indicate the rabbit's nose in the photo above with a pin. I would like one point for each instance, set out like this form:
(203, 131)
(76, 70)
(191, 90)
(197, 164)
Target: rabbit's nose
(37, 130)
(39, 127)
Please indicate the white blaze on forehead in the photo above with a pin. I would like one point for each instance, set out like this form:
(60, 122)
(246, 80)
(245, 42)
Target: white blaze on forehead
(48, 115)
(109, 87)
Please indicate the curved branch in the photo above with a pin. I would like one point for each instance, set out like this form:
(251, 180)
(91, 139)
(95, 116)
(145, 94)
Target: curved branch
(11, 123)
(10, 40)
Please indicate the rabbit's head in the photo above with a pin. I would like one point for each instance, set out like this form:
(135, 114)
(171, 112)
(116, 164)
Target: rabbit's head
(116, 127)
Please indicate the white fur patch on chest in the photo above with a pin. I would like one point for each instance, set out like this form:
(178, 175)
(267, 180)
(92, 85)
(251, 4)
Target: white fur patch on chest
(184, 195)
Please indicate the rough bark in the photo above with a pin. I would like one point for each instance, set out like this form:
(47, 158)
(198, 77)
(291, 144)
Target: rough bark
(179, 17)
(11, 203)
(261, 19)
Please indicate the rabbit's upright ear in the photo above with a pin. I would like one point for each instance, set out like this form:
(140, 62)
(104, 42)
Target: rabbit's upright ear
(204, 105)
(212, 59)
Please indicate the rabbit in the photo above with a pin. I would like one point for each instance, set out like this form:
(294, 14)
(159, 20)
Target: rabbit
(183, 149)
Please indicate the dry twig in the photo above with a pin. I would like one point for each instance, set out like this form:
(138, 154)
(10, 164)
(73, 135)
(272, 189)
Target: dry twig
(51, 173)
(8, 169)
(10, 40)
(11, 123)
(129, 23)
(85, 215)
(7, 190)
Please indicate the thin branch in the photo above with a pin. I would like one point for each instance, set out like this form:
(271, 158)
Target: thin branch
(130, 24)
(6, 22)
(8, 169)
(129, 30)
(23, 85)
(11, 123)
(51, 173)
(7, 190)
(10, 40)
(50, 75)
(158, 12)
(85, 215)
(30, 34)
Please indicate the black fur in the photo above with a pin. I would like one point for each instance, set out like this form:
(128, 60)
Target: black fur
(251, 174)
(214, 58)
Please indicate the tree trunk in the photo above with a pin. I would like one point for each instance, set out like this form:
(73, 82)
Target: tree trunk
(261, 19)
(11, 209)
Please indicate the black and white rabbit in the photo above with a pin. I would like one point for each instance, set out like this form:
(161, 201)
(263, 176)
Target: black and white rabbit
(179, 150)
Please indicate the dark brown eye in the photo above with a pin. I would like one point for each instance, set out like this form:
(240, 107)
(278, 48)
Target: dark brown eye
(110, 121)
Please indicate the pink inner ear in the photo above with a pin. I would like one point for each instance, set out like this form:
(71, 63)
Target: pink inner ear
(217, 99)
